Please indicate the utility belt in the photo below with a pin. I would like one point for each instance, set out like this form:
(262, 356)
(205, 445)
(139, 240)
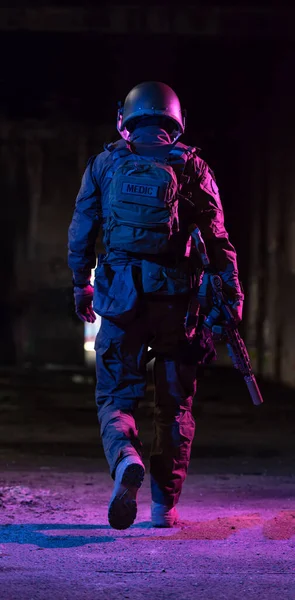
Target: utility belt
(164, 278)
(166, 260)
(119, 285)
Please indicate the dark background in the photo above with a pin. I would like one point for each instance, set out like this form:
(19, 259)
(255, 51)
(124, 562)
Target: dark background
(63, 69)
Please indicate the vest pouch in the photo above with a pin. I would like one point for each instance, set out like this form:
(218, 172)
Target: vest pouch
(115, 293)
(165, 280)
(153, 278)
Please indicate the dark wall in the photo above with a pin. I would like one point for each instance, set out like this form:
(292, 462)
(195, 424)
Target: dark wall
(271, 299)
(74, 77)
(58, 104)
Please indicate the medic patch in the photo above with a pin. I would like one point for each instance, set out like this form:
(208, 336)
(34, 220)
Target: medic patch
(140, 189)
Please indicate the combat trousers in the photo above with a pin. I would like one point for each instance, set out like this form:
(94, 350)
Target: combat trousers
(121, 354)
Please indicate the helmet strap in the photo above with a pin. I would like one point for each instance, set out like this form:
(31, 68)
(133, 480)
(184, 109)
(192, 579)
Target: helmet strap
(124, 133)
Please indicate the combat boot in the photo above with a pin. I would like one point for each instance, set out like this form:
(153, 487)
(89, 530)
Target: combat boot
(163, 516)
(128, 479)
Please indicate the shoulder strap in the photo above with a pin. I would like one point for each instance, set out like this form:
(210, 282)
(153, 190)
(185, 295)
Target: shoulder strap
(114, 145)
(181, 157)
(183, 153)
(119, 151)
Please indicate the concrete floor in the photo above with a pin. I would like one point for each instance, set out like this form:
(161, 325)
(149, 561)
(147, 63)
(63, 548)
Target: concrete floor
(236, 536)
(236, 539)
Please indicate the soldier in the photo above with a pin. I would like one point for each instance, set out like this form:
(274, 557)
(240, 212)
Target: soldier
(145, 190)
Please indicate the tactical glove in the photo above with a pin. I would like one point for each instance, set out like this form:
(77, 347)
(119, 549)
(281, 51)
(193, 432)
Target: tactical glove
(233, 294)
(236, 306)
(83, 303)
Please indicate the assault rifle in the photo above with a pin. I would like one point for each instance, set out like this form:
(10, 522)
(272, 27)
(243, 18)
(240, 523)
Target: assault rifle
(228, 331)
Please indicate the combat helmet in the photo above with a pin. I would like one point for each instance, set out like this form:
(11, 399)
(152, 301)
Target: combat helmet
(151, 98)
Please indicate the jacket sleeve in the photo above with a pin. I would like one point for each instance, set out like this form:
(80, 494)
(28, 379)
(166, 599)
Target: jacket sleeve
(84, 228)
(210, 220)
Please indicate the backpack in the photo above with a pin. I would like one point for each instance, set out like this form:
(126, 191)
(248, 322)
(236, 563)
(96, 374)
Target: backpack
(144, 200)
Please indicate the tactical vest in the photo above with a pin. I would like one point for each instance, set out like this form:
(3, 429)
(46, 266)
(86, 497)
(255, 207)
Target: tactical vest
(144, 196)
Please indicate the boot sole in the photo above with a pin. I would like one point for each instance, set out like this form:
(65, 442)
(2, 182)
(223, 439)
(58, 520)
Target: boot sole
(123, 507)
